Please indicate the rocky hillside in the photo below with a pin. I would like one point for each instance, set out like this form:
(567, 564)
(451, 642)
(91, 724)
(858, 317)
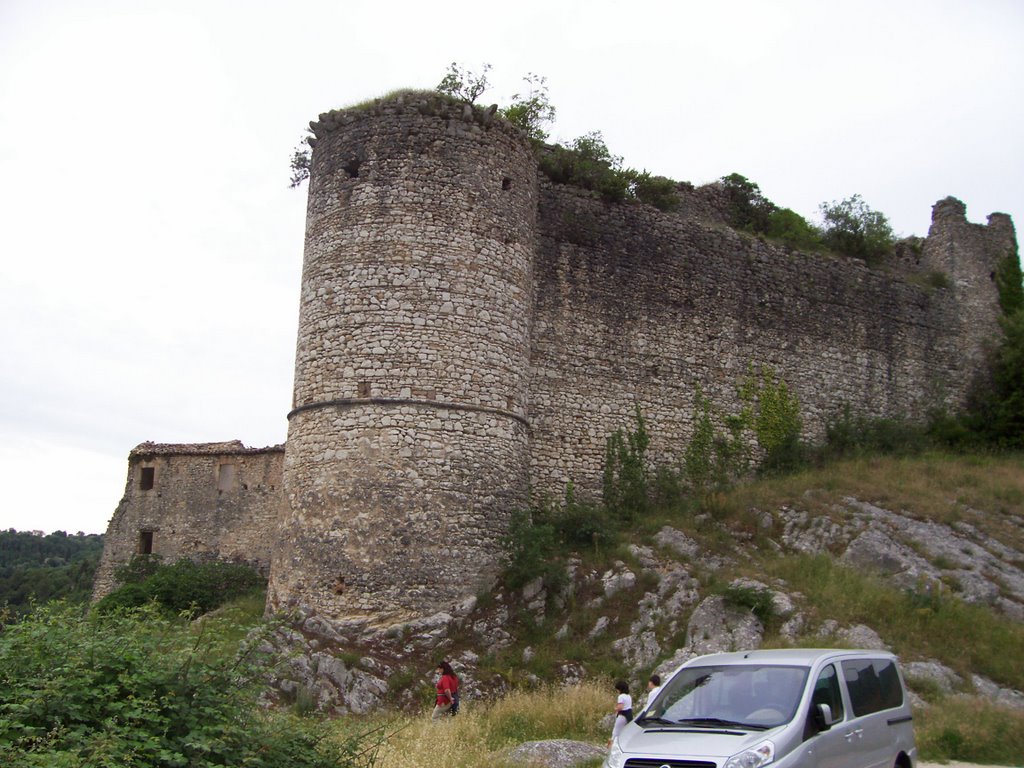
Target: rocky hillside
(931, 567)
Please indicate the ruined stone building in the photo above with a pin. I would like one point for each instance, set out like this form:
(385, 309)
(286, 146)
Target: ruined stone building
(470, 333)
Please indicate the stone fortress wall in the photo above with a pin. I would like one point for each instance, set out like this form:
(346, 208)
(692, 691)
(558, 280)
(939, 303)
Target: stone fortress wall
(635, 307)
(470, 334)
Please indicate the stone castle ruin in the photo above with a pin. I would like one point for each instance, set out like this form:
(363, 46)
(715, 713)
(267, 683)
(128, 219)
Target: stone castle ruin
(470, 333)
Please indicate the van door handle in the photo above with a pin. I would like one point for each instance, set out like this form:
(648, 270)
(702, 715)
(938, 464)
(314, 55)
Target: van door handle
(857, 732)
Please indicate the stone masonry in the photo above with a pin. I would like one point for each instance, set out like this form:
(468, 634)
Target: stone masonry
(206, 501)
(470, 334)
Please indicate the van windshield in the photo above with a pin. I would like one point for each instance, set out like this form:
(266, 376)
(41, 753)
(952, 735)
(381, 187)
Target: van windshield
(751, 695)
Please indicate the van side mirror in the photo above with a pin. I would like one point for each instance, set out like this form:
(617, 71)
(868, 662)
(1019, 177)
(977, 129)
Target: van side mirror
(823, 717)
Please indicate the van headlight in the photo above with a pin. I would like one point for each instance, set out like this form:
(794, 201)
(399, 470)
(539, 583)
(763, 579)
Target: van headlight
(754, 757)
(616, 757)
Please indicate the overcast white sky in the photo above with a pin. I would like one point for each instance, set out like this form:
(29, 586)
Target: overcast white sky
(150, 248)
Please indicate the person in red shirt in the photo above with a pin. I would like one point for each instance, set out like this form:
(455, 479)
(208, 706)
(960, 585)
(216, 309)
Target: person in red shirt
(447, 701)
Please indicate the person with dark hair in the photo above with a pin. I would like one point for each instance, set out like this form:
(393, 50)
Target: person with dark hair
(447, 700)
(653, 686)
(623, 709)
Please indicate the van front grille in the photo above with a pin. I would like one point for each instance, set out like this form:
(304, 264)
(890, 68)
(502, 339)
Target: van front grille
(648, 762)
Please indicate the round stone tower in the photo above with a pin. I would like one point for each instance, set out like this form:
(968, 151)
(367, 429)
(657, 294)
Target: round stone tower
(407, 442)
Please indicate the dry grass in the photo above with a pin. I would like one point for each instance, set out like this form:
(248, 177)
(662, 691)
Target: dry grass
(941, 487)
(963, 728)
(484, 733)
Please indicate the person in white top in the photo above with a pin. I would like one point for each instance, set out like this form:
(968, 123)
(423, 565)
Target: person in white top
(653, 686)
(623, 709)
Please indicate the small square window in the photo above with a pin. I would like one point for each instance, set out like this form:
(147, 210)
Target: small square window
(146, 478)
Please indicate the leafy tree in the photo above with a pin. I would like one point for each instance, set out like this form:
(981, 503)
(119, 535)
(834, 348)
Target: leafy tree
(531, 110)
(749, 209)
(143, 689)
(464, 84)
(853, 229)
(300, 163)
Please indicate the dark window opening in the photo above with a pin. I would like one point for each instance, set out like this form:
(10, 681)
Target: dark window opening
(352, 168)
(146, 478)
(506, 183)
(145, 542)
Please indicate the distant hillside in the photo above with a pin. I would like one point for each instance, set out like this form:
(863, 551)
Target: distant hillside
(48, 567)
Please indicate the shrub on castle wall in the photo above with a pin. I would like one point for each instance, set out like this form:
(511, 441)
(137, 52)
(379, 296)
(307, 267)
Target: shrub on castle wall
(853, 229)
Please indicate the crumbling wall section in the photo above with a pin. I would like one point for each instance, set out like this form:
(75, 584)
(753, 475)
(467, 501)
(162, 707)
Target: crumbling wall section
(204, 501)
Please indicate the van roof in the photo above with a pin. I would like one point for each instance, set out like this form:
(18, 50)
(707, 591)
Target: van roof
(786, 656)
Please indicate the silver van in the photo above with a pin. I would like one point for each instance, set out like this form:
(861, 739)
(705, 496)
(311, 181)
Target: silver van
(784, 708)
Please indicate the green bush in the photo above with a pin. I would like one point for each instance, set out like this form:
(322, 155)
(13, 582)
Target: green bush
(853, 229)
(140, 689)
(532, 550)
(625, 472)
(532, 110)
(588, 163)
(850, 435)
(758, 600)
(658, 191)
(749, 210)
(579, 525)
(184, 586)
(773, 412)
(791, 228)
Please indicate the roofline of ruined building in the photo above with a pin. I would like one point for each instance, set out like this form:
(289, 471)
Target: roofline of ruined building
(227, 448)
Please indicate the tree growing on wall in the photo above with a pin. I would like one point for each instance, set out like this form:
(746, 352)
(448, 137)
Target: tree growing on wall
(463, 83)
(852, 228)
(750, 211)
(531, 110)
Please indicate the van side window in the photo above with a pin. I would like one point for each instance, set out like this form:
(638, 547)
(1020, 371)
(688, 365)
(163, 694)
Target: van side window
(826, 691)
(873, 684)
